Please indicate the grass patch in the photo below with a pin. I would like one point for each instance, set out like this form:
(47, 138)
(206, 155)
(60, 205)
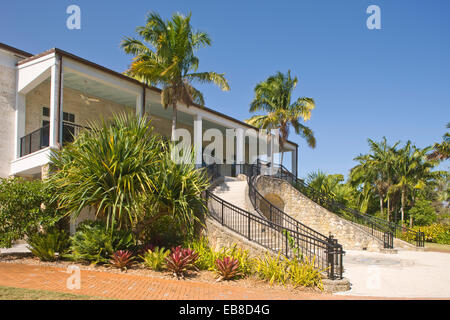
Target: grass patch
(10, 293)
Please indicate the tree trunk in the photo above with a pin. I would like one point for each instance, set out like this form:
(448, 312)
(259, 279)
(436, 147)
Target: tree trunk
(403, 206)
(381, 205)
(388, 209)
(174, 120)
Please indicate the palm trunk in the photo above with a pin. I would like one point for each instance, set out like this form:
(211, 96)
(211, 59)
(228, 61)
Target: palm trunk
(381, 205)
(388, 209)
(174, 120)
(403, 206)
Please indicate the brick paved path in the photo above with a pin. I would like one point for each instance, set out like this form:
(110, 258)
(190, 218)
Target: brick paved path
(125, 286)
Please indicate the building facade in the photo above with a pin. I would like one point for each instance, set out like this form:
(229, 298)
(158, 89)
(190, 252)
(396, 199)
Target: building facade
(45, 99)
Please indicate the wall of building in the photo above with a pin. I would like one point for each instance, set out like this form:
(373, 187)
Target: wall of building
(7, 110)
(84, 113)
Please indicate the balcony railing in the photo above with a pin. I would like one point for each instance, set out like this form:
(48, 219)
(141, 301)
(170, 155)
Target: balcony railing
(40, 138)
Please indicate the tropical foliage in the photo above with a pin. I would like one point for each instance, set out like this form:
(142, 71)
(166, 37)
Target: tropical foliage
(166, 56)
(49, 245)
(273, 96)
(25, 208)
(126, 173)
(393, 182)
(155, 259)
(442, 150)
(94, 243)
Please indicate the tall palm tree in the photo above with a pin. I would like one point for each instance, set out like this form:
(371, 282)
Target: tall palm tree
(413, 172)
(441, 150)
(274, 97)
(166, 57)
(376, 169)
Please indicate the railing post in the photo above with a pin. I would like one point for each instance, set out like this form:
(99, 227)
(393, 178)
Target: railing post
(248, 229)
(287, 245)
(330, 256)
(222, 212)
(388, 240)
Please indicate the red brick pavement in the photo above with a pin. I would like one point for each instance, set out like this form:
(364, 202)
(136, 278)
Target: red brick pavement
(135, 287)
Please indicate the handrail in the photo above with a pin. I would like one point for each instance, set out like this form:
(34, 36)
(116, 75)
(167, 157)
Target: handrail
(323, 251)
(382, 229)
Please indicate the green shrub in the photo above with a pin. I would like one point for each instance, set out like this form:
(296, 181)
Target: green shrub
(444, 237)
(423, 213)
(155, 259)
(25, 207)
(206, 255)
(303, 273)
(272, 269)
(298, 272)
(50, 245)
(94, 243)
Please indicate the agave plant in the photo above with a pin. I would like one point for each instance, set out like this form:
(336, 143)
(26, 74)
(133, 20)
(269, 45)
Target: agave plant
(122, 259)
(227, 268)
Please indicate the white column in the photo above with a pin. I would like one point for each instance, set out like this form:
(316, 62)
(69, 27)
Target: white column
(240, 145)
(294, 161)
(61, 92)
(198, 138)
(20, 121)
(54, 96)
(272, 153)
(140, 105)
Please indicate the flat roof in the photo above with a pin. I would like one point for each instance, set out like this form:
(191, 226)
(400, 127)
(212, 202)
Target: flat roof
(122, 76)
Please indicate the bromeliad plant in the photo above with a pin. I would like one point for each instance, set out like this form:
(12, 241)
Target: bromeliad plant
(227, 268)
(122, 259)
(180, 260)
(155, 258)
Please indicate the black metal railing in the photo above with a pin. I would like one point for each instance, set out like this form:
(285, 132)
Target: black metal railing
(279, 236)
(379, 228)
(40, 138)
(35, 141)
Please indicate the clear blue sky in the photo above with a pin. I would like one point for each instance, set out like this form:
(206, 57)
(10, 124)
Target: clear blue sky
(393, 82)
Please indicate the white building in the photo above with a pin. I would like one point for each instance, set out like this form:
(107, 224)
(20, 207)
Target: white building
(47, 98)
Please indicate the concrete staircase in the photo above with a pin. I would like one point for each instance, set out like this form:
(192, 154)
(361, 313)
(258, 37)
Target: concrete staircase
(234, 190)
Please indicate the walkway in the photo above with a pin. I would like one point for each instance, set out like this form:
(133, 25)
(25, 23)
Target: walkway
(408, 274)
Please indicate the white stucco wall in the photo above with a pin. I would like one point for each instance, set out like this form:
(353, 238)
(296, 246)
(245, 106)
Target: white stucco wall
(7, 110)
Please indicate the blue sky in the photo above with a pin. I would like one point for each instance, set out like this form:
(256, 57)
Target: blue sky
(393, 82)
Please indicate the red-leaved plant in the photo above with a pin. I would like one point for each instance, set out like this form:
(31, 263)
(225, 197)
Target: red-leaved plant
(180, 259)
(227, 268)
(122, 259)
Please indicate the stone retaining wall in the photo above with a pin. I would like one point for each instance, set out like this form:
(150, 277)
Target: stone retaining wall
(350, 235)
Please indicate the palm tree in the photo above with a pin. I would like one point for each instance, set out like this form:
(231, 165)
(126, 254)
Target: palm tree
(376, 169)
(274, 97)
(170, 60)
(413, 172)
(441, 150)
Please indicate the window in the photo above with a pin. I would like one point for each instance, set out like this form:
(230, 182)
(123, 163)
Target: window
(46, 112)
(69, 117)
